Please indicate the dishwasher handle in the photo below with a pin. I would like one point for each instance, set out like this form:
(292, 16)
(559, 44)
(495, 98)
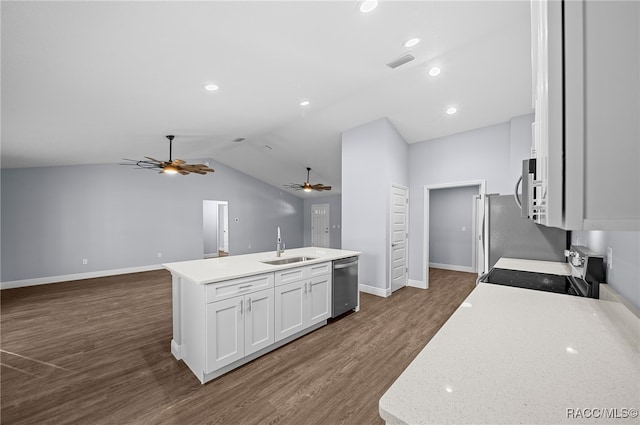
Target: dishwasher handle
(344, 265)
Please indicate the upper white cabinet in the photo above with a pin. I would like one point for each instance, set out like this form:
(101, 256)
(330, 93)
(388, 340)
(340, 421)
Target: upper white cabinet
(586, 92)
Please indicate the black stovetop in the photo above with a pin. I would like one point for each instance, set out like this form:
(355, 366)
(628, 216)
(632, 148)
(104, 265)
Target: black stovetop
(529, 280)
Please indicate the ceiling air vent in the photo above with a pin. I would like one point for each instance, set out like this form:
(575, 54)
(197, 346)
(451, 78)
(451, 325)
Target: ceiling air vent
(400, 61)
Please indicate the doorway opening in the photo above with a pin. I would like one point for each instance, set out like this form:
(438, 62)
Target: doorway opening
(451, 228)
(215, 228)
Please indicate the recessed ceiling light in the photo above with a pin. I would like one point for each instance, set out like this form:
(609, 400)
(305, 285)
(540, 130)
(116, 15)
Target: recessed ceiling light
(304, 103)
(411, 42)
(451, 110)
(211, 87)
(434, 71)
(367, 6)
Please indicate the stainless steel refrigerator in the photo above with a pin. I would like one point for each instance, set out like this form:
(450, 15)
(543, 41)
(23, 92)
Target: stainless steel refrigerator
(510, 235)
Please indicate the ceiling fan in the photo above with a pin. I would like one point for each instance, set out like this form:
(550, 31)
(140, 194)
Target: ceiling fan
(172, 166)
(306, 186)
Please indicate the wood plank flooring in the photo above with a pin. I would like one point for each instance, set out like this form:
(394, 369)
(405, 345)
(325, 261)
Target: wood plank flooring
(98, 352)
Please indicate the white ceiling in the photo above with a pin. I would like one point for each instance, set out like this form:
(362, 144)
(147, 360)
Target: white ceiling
(93, 82)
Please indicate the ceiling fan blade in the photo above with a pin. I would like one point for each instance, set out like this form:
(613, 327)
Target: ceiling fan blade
(320, 187)
(154, 160)
(203, 167)
(196, 168)
(178, 162)
(294, 186)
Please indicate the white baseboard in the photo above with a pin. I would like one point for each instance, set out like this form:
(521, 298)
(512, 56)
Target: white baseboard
(176, 350)
(452, 267)
(373, 290)
(76, 276)
(416, 284)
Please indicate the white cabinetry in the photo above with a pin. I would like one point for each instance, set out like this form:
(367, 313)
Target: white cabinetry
(302, 298)
(237, 327)
(586, 92)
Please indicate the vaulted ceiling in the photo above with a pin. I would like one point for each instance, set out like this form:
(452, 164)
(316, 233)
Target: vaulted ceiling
(95, 82)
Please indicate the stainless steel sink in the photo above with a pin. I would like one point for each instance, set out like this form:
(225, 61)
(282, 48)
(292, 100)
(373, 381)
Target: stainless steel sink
(288, 260)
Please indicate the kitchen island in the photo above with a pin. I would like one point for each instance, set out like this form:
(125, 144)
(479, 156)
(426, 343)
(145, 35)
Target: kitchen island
(230, 310)
(513, 355)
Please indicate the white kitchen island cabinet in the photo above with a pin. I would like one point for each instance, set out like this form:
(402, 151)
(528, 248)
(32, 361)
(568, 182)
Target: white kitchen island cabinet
(228, 311)
(237, 327)
(304, 301)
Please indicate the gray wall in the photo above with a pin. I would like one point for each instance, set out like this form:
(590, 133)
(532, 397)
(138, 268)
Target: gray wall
(480, 154)
(451, 210)
(335, 219)
(375, 154)
(119, 217)
(624, 277)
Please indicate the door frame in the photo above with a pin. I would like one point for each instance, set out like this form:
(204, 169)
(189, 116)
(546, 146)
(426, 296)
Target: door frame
(390, 237)
(481, 184)
(328, 222)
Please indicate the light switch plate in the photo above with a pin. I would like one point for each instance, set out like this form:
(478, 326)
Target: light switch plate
(609, 258)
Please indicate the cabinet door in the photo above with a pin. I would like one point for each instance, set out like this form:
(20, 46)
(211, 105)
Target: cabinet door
(319, 299)
(258, 321)
(224, 333)
(290, 309)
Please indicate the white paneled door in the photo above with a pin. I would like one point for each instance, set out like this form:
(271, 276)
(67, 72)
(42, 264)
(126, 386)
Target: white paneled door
(320, 225)
(399, 230)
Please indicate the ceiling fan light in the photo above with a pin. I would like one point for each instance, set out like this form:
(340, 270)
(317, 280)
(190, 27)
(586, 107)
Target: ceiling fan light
(169, 169)
(367, 6)
(411, 42)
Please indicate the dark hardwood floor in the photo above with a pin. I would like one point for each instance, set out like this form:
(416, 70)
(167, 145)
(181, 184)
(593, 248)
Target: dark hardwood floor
(98, 352)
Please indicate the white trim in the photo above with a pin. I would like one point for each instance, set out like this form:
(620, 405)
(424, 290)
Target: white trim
(76, 276)
(390, 236)
(373, 290)
(176, 350)
(425, 238)
(416, 284)
(452, 267)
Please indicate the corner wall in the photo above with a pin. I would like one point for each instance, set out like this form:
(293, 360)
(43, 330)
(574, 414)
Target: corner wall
(374, 156)
(489, 153)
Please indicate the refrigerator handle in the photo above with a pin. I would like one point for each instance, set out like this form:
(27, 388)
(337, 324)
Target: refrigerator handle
(515, 193)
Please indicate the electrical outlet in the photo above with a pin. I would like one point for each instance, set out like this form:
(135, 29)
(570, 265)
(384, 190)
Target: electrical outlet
(85, 261)
(159, 255)
(609, 258)
(464, 228)
(249, 246)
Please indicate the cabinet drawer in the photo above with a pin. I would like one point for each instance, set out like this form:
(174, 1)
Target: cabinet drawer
(299, 273)
(319, 269)
(231, 288)
(290, 275)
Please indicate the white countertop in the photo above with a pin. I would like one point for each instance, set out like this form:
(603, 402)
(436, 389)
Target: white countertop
(513, 355)
(217, 269)
(548, 267)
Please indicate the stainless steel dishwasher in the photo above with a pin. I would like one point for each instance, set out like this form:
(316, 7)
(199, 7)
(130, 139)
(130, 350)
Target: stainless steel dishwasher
(345, 286)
